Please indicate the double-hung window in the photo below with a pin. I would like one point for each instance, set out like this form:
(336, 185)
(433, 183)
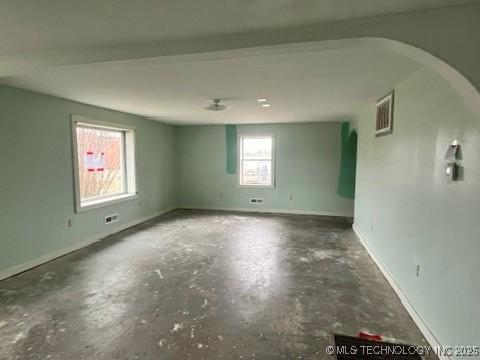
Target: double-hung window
(256, 155)
(104, 163)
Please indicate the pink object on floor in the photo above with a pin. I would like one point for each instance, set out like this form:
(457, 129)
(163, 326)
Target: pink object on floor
(368, 336)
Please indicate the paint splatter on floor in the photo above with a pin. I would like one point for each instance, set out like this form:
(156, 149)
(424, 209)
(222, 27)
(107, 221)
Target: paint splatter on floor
(239, 286)
(177, 327)
(159, 273)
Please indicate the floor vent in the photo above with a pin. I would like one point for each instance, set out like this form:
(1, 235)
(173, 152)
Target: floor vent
(111, 219)
(349, 347)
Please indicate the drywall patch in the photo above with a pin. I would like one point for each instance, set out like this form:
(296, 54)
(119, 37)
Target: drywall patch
(348, 162)
(231, 144)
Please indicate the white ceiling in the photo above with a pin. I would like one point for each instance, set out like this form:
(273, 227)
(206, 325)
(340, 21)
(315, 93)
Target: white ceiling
(301, 86)
(31, 25)
(93, 51)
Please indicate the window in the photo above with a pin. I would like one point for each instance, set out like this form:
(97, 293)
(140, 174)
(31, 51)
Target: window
(104, 161)
(256, 160)
(384, 121)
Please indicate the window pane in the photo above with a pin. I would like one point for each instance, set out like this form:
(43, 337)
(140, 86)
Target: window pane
(257, 148)
(100, 162)
(256, 172)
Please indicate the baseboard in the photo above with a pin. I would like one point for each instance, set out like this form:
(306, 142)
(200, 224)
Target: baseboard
(77, 246)
(261, 209)
(17, 269)
(423, 327)
(417, 319)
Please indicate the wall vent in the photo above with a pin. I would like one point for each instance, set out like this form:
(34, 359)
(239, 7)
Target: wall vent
(384, 123)
(257, 201)
(111, 219)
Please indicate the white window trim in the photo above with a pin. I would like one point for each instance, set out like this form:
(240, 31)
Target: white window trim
(130, 192)
(239, 160)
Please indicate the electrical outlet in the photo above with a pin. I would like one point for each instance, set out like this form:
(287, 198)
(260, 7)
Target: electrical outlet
(291, 197)
(69, 223)
(417, 270)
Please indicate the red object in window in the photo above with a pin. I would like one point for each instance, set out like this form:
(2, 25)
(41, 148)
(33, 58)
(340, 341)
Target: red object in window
(101, 162)
(89, 161)
(368, 336)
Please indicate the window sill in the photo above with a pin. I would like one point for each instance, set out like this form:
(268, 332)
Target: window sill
(266, 187)
(99, 203)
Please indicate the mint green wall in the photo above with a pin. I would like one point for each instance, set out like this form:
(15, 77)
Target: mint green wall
(404, 208)
(36, 187)
(36, 196)
(307, 167)
(408, 213)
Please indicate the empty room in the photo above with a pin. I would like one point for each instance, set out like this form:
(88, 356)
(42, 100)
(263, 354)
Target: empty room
(262, 179)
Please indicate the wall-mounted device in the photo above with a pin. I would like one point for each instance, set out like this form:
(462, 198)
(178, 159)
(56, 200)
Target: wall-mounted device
(453, 162)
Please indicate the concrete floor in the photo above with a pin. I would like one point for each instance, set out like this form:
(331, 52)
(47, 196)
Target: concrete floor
(203, 285)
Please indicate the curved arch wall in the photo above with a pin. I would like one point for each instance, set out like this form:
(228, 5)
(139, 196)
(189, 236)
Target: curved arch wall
(449, 33)
(409, 215)
(405, 210)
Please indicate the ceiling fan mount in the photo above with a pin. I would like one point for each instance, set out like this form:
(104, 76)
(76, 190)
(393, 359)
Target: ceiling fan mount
(216, 105)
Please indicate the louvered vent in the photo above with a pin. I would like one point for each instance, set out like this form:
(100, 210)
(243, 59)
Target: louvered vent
(384, 124)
